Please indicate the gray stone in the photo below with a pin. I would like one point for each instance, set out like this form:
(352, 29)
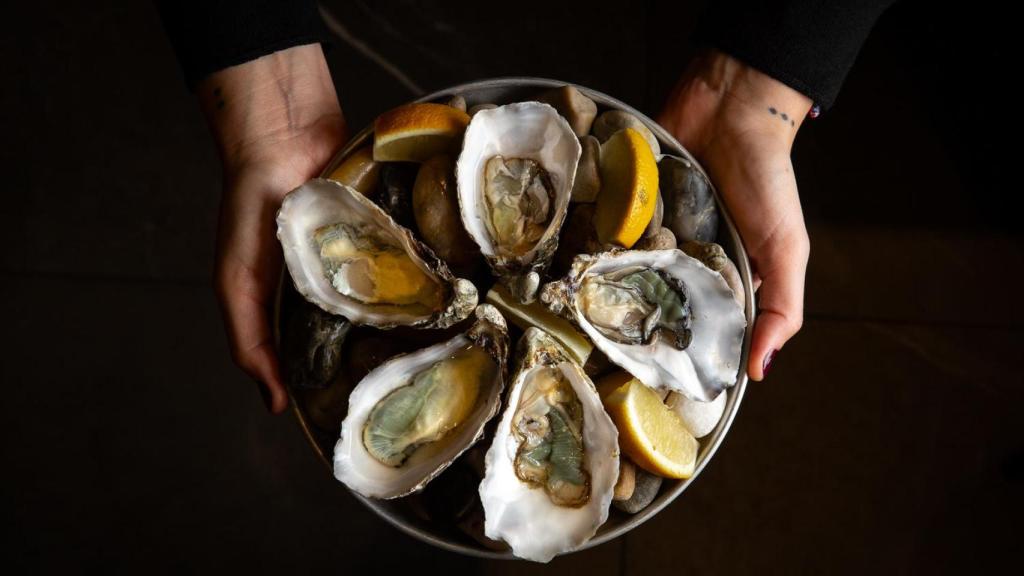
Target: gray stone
(663, 239)
(612, 121)
(710, 254)
(713, 256)
(690, 209)
(626, 483)
(577, 235)
(645, 490)
(435, 209)
(458, 101)
(577, 109)
(732, 278)
(654, 226)
(312, 347)
(395, 195)
(588, 173)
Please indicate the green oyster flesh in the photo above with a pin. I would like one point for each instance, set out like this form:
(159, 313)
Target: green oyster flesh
(548, 423)
(437, 400)
(634, 304)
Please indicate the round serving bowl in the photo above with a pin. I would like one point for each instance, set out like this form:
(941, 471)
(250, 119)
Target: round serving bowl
(407, 514)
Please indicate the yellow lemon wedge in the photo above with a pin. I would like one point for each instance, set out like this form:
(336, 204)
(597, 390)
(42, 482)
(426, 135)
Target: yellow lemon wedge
(416, 132)
(526, 316)
(629, 188)
(608, 384)
(650, 433)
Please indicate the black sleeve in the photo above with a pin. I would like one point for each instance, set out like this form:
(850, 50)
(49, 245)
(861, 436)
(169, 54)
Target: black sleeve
(209, 36)
(810, 45)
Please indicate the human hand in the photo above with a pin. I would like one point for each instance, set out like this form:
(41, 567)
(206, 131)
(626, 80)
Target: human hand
(277, 122)
(740, 125)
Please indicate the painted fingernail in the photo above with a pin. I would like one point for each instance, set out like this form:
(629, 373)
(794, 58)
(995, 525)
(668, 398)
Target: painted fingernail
(768, 362)
(265, 393)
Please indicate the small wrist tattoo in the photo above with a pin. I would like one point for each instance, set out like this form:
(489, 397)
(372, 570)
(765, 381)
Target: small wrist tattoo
(785, 117)
(220, 98)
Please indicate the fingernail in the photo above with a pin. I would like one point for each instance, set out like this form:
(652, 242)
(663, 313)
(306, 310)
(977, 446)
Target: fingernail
(768, 362)
(265, 393)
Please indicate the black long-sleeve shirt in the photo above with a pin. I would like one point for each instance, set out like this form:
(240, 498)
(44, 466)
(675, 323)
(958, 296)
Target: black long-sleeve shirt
(810, 45)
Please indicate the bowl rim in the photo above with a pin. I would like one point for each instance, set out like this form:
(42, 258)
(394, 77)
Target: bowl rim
(709, 443)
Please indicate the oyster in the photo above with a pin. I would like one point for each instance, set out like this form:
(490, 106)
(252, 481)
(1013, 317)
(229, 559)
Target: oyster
(554, 460)
(515, 176)
(409, 418)
(347, 256)
(663, 316)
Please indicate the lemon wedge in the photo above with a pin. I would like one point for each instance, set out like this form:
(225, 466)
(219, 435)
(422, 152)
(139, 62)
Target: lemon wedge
(535, 314)
(416, 132)
(650, 433)
(629, 188)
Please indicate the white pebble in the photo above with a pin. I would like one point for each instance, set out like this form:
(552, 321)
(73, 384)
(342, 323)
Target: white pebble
(700, 418)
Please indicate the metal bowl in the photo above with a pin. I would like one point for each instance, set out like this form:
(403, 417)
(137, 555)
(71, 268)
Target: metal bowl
(404, 515)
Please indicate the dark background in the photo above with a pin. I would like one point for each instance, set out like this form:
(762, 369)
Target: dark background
(888, 437)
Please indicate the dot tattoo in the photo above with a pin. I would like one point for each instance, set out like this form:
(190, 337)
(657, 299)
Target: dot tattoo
(785, 117)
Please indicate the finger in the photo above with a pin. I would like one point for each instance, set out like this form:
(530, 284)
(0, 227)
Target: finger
(780, 303)
(248, 268)
(244, 302)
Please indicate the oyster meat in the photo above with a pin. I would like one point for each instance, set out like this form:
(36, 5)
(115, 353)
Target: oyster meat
(554, 460)
(412, 416)
(514, 177)
(662, 315)
(347, 256)
(519, 201)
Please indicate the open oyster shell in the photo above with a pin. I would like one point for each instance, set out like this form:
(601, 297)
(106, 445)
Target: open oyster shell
(521, 512)
(464, 374)
(349, 257)
(693, 348)
(515, 175)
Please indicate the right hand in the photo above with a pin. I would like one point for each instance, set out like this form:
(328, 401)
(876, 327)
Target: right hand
(277, 123)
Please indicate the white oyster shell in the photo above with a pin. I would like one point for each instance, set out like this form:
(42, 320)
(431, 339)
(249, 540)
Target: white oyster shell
(524, 516)
(322, 202)
(360, 471)
(711, 361)
(531, 130)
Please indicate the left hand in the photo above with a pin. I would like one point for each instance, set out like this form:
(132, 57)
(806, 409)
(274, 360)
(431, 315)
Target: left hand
(740, 125)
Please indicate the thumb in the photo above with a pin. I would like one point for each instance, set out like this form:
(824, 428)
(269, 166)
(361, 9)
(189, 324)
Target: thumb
(780, 299)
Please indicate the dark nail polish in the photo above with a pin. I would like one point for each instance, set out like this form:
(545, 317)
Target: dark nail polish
(265, 393)
(768, 362)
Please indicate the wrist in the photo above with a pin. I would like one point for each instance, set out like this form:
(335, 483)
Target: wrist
(719, 88)
(254, 107)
